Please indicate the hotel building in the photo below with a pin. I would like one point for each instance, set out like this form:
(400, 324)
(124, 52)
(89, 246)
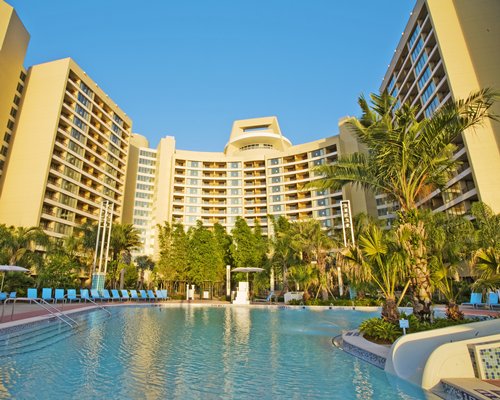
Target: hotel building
(14, 39)
(259, 173)
(449, 49)
(69, 152)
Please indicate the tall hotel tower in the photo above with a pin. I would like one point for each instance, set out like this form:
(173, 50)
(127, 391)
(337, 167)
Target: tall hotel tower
(14, 39)
(259, 173)
(449, 49)
(69, 152)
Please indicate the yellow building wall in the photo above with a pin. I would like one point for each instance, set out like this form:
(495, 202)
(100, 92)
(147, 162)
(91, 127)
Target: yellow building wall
(14, 39)
(468, 34)
(362, 201)
(24, 184)
(136, 141)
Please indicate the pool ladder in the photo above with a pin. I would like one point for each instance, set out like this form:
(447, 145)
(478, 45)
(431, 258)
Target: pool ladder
(53, 311)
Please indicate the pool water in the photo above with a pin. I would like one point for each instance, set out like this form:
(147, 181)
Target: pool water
(199, 353)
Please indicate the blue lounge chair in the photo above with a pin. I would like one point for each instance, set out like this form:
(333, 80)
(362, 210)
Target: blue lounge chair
(12, 295)
(159, 294)
(134, 295)
(267, 299)
(151, 295)
(95, 294)
(144, 295)
(116, 295)
(47, 294)
(3, 296)
(493, 300)
(125, 295)
(475, 300)
(105, 295)
(71, 296)
(84, 294)
(59, 295)
(32, 294)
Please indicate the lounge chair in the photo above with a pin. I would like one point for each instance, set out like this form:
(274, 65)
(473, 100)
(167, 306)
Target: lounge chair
(268, 299)
(151, 295)
(115, 294)
(493, 300)
(84, 294)
(125, 295)
(475, 300)
(159, 295)
(134, 295)
(144, 295)
(32, 294)
(59, 295)
(95, 294)
(105, 295)
(47, 294)
(12, 295)
(3, 296)
(71, 296)
(165, 294)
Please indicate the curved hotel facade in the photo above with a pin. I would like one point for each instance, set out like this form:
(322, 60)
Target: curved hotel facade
(259, 173)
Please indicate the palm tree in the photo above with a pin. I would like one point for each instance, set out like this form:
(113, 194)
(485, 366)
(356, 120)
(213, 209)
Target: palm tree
(304, 276)
(406, 160)
(375, 259)
(313, 245)
(19, 244)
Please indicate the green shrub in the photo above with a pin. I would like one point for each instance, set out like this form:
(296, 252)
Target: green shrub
(378, 330)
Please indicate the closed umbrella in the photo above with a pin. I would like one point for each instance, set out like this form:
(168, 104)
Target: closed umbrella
(8, 268)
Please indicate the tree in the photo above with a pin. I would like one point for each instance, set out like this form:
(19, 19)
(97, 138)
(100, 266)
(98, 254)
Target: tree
(174, 244)
(375, 259)
(406, 159)
(223, 243)
(283, 254)
(19, 245)
(245, 248)
(205, 260)
(143, 263)
(313, 246)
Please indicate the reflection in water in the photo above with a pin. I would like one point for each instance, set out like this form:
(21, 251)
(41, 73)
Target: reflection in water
(198, 352)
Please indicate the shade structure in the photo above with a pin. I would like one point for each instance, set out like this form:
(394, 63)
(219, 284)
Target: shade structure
(10, 268)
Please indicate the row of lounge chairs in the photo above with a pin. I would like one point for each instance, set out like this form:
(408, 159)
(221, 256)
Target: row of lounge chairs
(50, 295)
(476, 300)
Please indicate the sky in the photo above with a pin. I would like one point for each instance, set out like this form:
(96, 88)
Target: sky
(189, 68)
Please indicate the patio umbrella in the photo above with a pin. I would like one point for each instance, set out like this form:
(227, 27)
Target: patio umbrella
(7, 268)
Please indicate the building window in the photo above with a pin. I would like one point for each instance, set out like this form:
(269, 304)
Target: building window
(428, 92)
(318, 162)
(144, 161)
(414, 36)
(276, 189)
(424, 78)
(235, 165)
(77, 135)
(82, 99)
(86, 89)
(192, 172)
(193, 164)
(10, 124)
(13, 112)
(7, 137)
(20, 88)
(276, 179)
(235, 173)
(193, 181)
(235, 200)
(277, 208)
(416, 51)
(82, 112)
(322, 202)
(421, 62)
(276, 198)
(193, 191)
(235, 192)
(4, 150)
(192, 200)
(324, 213)
(235, 182)
(275, 170)
(432, 107)
(146, 153)
(75, 147)
(317, 153)
(275, 161)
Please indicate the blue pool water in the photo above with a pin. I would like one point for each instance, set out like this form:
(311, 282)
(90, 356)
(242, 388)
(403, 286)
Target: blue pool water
(194, 353)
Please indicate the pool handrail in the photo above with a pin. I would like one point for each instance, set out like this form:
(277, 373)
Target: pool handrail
(94, 294)
(71, 295)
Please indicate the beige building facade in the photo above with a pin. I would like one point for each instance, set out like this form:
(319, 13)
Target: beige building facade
(259, 173)
(449, 49)
(14, 39)
(69, 152)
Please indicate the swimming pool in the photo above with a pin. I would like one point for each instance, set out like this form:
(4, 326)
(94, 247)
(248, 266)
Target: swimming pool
(198, 352)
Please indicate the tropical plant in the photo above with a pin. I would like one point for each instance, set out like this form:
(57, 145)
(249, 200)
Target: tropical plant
(380, 330)
(407, 158)
(303, 276)
(21, 246)
(283, 256)
(375, 259)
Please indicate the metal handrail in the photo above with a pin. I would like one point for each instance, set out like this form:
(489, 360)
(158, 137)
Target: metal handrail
(44, 305)
(93, 302)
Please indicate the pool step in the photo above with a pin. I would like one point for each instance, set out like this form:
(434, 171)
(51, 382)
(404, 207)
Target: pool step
(39, 336)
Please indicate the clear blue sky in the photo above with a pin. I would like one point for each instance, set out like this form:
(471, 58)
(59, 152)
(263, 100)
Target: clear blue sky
(189, 68)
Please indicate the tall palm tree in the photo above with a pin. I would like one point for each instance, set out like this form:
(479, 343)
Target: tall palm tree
(19, 244)
(406, 159)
